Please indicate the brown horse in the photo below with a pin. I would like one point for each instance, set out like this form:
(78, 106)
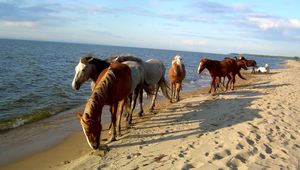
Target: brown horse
(176, 75)
(218, 69)
(249, 63)
(112, 88)
(236, 71)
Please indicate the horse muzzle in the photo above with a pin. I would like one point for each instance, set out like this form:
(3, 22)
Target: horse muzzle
(75, 86)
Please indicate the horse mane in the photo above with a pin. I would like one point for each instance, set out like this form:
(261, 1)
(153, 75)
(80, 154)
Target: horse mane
(100, 92)
(124, 57)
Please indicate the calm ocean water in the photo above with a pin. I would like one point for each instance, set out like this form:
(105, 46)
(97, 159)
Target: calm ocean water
(35, 77)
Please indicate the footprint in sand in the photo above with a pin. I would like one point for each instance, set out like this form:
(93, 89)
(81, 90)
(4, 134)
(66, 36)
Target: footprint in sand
(268, 149)
(238, 160)
(241, 134)
(221, 155)
(249, 141)
(239, 146)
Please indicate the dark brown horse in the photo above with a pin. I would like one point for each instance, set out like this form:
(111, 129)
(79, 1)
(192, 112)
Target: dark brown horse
(249, 63)
(236, 71)
(112, 88)
(240, 64)
(176, 75)
(218, 69)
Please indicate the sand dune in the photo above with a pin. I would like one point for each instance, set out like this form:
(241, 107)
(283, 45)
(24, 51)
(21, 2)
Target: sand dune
(253, 127)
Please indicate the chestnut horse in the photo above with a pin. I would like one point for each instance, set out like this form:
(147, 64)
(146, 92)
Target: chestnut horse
(112, 88)
(218, 69)
(176, 75)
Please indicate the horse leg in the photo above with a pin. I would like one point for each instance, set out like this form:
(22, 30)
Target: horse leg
(211, 84)
(114, 109)
(171, 84)
(110, 125)
(154, 98)
(120, 112)
(178, 87)
(128, 105)
(141, 112)
(134, 98)
(229, 79)
(214, 84)
(233, 81)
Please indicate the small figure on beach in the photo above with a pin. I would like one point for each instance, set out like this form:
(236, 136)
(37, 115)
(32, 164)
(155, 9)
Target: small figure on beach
(176, 75)
(265, 69)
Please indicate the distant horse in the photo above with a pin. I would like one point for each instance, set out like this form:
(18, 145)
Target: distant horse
(218, 69)
(240, 64)
(112, 88)
(249, 63)
(235, 71)
(176, 75)
(154, 72)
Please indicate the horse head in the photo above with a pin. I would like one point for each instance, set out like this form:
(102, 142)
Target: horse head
(177, 59)
(202, 65)
(83, 72)
(92, 130)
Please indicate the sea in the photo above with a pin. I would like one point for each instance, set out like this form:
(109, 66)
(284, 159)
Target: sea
(36, 76)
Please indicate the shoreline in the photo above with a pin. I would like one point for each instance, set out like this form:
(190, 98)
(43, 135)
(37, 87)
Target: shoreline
(194, 133)
(57, 144)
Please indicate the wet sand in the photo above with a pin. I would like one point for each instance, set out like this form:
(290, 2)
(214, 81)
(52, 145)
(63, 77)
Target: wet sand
(254, 127)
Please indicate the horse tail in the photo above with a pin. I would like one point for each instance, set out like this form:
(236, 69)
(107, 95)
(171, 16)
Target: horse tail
(164, 87)
(239, 74)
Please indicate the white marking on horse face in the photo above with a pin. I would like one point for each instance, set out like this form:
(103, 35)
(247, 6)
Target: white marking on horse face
(87, 139)
(177, 59)
(198, 70)
(78, 73)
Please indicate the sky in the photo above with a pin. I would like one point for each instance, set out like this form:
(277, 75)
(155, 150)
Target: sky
(269, 27)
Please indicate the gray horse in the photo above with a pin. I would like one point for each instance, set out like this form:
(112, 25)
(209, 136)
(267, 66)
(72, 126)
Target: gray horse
(154, 77)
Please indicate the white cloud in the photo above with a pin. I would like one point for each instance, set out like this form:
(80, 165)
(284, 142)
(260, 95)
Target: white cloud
(266, 23)
(18, 24)
(295, 23)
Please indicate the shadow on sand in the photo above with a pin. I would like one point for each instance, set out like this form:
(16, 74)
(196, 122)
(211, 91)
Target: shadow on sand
(211, 114)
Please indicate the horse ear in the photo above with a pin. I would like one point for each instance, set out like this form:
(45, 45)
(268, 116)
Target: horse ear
(91, 59)
(79, 115)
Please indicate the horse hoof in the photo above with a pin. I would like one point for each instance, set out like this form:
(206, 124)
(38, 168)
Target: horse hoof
(112, 139)
(140, 114)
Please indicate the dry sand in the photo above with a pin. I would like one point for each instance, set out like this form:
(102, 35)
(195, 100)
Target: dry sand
(254, 127)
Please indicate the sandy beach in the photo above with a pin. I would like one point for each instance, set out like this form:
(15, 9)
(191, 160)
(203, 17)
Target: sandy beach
(255, 126)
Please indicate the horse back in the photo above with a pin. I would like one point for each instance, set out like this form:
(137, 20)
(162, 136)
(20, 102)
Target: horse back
(154, 71)
(119, 82)
(123, 80)
(221, 68)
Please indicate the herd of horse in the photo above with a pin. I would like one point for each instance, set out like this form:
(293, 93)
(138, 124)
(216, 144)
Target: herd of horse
(120, 80)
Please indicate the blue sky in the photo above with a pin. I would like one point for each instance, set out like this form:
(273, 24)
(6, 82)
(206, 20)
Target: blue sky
(217, 26)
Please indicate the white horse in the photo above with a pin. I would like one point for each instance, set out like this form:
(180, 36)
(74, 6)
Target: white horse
(265, 69)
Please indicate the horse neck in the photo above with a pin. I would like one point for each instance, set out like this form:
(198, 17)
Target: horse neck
(94, 106)
(98, 67)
